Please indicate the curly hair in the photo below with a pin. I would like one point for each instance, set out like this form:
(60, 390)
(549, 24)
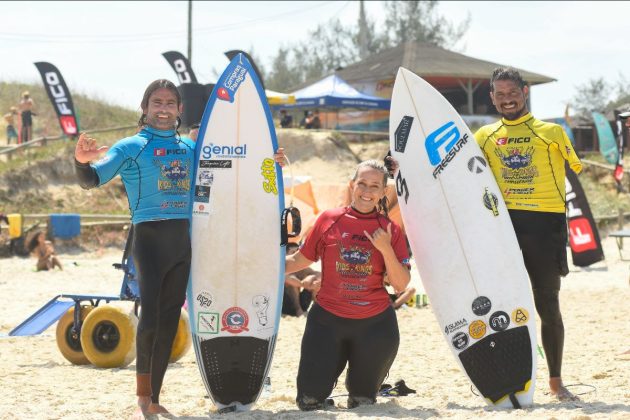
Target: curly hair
(507, 73)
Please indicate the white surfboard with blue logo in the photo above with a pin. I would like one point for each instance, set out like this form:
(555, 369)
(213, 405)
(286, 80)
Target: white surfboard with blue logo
(464, 244)
(237, 274)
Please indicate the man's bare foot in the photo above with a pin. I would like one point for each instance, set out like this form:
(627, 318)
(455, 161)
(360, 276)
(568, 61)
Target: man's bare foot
(560, 391)
(157, 409)
(141, 412)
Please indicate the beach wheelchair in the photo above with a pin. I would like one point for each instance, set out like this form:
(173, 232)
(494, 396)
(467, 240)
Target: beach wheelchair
(103, 335)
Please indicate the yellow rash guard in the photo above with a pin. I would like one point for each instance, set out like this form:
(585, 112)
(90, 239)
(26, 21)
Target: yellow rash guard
(527, 159)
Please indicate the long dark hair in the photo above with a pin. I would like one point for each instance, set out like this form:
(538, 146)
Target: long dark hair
(33, 243)
(383, 203)
(155, 85)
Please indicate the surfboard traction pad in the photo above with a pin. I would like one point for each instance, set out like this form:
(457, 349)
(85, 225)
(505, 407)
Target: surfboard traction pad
(500, 364)
(244, 361)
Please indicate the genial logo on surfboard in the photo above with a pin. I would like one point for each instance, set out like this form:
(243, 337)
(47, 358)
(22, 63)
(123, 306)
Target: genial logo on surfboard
(443, 144)
(221, 151)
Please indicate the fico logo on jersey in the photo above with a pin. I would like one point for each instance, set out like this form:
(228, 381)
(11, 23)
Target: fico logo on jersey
(161, 151)
(443, 144)
(502, 141)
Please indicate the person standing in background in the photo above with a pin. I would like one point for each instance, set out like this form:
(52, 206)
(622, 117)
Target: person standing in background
(26, 110)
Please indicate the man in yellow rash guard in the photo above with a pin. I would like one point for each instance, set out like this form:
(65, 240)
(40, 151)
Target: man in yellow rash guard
(527, 157)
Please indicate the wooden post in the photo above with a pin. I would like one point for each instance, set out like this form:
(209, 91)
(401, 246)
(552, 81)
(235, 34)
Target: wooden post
(190, 32)
(469, 89)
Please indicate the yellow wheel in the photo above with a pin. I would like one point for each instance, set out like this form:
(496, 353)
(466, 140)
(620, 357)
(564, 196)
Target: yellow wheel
(182, 341)
(108, 337)
(69, 341)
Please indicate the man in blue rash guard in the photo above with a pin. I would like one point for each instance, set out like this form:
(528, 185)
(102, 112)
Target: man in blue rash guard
(155, 166)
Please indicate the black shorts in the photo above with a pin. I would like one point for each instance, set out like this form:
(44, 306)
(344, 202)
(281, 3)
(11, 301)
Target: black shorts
(542, 237)
(27, 118)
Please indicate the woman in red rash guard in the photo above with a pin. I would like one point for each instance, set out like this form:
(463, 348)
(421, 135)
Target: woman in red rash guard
(353, 321)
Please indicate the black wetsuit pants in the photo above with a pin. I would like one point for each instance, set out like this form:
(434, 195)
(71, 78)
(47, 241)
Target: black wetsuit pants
(369, 347)
(542, 238)
(161, 252)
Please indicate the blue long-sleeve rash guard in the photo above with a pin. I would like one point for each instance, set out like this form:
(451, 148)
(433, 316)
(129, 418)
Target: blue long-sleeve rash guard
(155, 167)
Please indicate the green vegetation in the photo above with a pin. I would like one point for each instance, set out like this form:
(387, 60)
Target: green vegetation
(92, 114)
(334, 44)
(40, 178)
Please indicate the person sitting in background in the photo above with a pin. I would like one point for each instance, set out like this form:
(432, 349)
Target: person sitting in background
(308, 120)
(400, 298)
(286, 120)
(315, 122)
(44, 251)
(300, 288)
(305, 119)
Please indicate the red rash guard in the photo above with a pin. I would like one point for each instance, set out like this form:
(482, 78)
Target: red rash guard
(352, 268)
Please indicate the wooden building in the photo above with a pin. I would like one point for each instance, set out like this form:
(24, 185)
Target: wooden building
(463, 80)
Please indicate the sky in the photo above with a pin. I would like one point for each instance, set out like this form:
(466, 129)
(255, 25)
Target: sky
(113, 50)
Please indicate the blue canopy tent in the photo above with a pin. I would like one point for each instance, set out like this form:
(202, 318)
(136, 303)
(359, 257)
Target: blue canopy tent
(334, 92)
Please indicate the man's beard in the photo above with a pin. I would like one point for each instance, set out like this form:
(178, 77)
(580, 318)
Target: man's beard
(515, 115)
(167, 124)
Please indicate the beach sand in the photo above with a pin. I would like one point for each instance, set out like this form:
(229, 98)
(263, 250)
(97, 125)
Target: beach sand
(38, 383)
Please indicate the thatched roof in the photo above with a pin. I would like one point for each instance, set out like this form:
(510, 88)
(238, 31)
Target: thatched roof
(427, 60)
